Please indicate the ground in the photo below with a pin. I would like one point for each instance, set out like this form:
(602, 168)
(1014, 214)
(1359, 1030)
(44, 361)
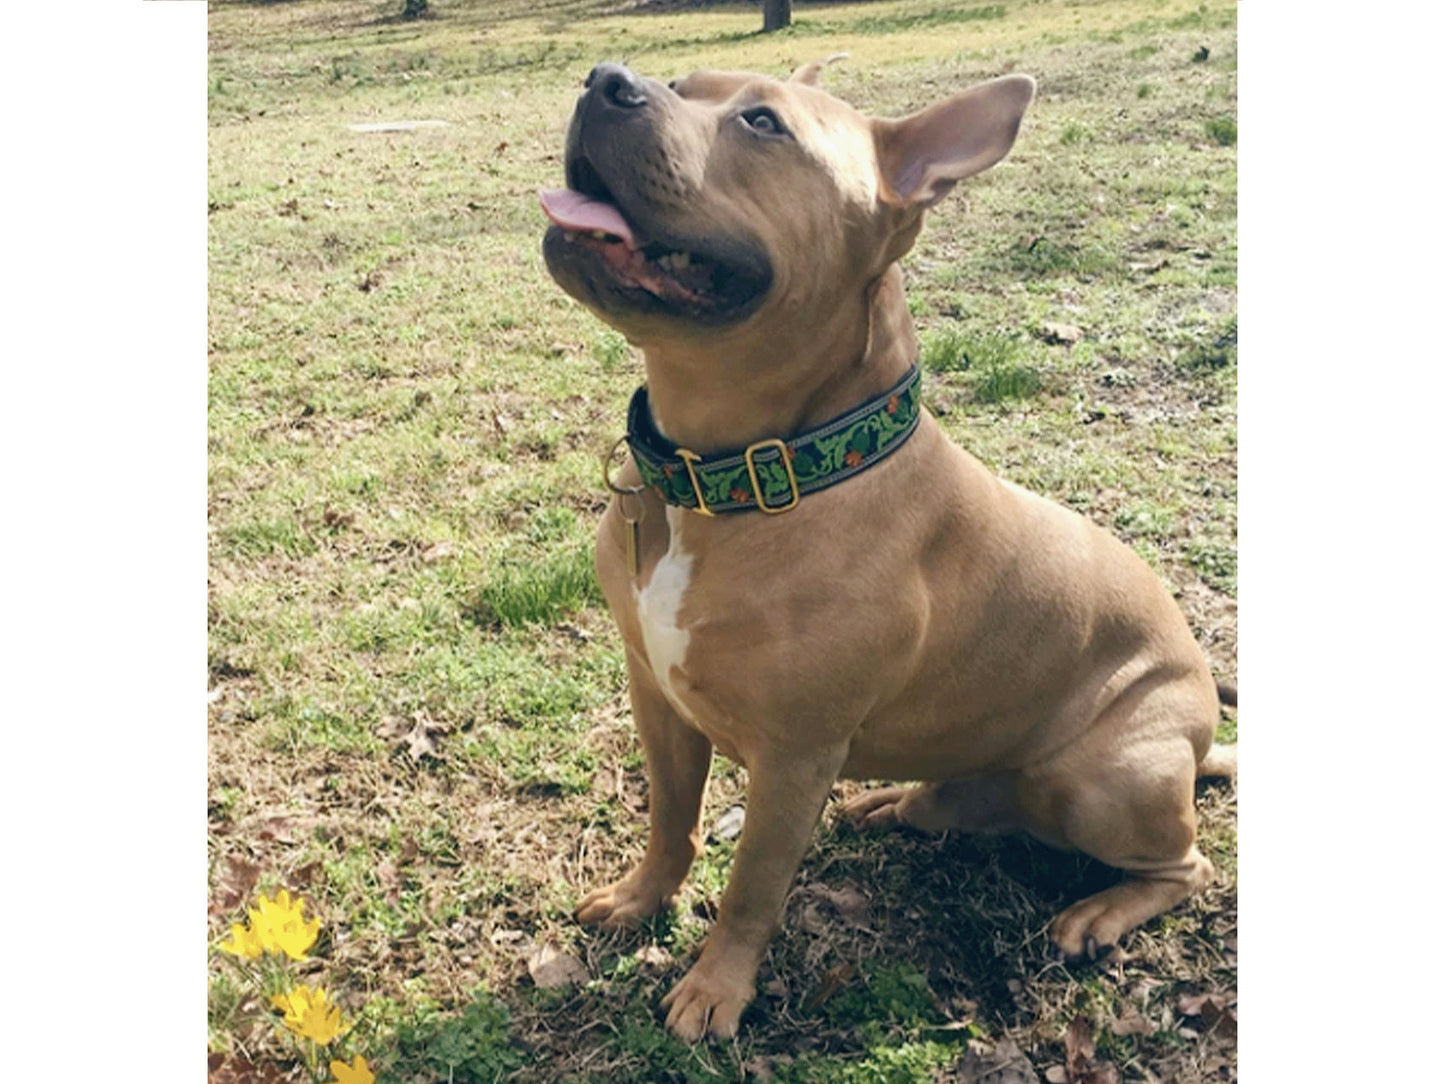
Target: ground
(418, 716)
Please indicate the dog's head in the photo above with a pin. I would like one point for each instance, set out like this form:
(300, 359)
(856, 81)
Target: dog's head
(712, 201)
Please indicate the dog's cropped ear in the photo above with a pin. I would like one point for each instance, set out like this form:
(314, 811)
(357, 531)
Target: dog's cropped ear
(924, 155)
(809, 73)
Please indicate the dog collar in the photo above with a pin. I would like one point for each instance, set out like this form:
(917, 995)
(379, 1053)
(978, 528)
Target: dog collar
(774, 474)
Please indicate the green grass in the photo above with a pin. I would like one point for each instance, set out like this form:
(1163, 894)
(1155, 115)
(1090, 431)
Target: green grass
(419, 714)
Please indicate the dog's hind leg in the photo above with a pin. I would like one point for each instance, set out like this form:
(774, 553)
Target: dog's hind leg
(1133, 808)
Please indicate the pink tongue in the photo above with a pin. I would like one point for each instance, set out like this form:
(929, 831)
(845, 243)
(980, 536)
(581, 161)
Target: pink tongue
(574, 211)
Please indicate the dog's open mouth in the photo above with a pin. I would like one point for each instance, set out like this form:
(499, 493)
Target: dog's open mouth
(698, 280)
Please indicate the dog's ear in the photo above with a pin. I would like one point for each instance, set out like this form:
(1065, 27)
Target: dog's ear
(924, 155)
(809, 73)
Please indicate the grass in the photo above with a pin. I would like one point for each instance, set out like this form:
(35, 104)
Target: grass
(419, 716)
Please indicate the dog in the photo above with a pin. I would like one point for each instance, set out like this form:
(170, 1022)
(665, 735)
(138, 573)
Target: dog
(808, 575)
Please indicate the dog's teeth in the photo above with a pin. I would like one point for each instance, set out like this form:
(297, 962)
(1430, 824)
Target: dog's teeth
(599, 235)
(569, 235)
(681, 259)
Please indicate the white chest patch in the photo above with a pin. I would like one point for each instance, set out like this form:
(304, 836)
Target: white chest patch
(657, 608)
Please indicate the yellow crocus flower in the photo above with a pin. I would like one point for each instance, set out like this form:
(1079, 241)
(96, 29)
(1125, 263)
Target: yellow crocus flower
(309, 1014)
(243, 942)
(280, 927)
(355, 1073)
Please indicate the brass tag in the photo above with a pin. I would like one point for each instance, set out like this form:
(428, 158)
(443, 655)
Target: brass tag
(634, 532)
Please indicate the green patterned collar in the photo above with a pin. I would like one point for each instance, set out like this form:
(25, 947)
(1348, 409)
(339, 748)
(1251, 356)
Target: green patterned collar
(773, 475)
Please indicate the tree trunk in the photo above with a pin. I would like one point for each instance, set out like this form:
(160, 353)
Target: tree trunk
(414, 9)
(777, 14)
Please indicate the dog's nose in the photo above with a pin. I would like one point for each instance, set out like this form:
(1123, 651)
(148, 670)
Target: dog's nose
(617, 86)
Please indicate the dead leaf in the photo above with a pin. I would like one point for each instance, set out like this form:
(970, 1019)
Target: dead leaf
(234, 885)
(506, 937)
(1131, 1022)
(437, 551)
(1216, 1010)
(234, 1069)
(1065, 334)
(1056, 1074)
(337, 521)
(833, 980)
(850, 905)
(277, 830)
(419, 734)
(1004, 1064)
(1078, 1044)
(1079, 1064)
(551, 967)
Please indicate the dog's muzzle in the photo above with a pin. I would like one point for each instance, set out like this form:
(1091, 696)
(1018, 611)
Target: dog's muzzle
(612, 245)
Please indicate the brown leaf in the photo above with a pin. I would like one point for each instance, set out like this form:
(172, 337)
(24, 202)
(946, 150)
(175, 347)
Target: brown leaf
(1078, 1044)
(330, 517)
(551, 967)
(851, 904)
(234, 1069)
(277, 830)
(234, 885)
(1209, 1006)
(833, 980)
(1066, 334)
(1079, 1064)
(1056, 1074)
(1005, 1064)
(1131, 1022)
(418, 734)
(1215, 1009)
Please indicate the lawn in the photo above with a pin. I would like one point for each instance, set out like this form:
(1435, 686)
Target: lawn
(418, 718)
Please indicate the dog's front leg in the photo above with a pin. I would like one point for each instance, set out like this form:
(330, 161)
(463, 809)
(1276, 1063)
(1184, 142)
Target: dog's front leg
(678, 761)
(786, 792)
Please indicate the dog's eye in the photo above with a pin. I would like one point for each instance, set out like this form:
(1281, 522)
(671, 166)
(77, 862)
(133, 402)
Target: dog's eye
(764, 121)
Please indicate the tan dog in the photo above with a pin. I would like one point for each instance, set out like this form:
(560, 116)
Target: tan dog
(913, 617)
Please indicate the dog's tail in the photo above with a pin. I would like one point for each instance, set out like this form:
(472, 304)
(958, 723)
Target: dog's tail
(1221, 760)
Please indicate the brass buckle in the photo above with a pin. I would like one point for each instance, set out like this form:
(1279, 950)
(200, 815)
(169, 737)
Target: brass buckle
(748, 454)
(689, 457)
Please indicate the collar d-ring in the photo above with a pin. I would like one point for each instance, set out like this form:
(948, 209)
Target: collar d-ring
(608, 456)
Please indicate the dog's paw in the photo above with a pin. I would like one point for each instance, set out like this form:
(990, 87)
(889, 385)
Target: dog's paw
(708, 1001)
(1089, 930)
(626, 902)
(877, 809)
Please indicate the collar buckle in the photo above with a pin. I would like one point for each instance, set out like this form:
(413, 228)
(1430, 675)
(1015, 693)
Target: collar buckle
(786, 460)
(689, 457)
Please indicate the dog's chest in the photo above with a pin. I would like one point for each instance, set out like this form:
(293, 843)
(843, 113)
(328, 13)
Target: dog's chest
(664, 638)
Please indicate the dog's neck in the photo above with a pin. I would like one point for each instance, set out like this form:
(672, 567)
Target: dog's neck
(726, 398)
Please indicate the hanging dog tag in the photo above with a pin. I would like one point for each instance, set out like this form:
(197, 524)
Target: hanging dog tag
(634, 530)
(634, 535)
